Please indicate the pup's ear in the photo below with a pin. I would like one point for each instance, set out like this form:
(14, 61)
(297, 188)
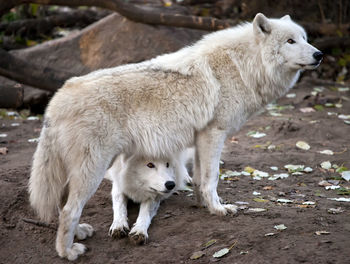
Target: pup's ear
(286, 17)
(261, 25)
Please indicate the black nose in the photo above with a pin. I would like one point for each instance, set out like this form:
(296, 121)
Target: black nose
(170, 185)
(318, 55)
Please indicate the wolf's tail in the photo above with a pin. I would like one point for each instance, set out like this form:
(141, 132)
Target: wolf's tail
(48, 178)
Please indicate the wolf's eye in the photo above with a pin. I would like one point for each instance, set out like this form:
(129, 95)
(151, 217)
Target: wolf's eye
(167, 164)
(150, 165)
(291, 41)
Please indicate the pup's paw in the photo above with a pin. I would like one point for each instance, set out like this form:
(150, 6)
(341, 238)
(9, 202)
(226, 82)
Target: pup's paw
(76, 250)
(118, 232)
(83, 231)
(138, 238)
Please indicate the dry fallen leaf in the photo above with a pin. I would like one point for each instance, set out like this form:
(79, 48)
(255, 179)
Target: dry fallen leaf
(197, 255)
(326, 165)
(221, 253)
(3, 151)
(327, 152)
(322, 232)
(307, 110)
(234, 140)
(209, 243)
(280, 227)
(303, 145)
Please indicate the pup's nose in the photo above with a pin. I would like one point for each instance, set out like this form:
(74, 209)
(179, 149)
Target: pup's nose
(318, 55)
(169, 185)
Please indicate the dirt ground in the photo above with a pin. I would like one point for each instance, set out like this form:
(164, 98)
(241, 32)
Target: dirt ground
(180, 228)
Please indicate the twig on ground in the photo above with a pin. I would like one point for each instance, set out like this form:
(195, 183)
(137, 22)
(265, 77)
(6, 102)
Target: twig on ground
(38, 223)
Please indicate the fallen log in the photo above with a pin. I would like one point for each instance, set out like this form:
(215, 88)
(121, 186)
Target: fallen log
(24, 72)
(11, 96)
(34, 27)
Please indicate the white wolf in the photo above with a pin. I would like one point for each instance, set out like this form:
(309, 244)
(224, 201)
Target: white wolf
(197, 96)
(146, 181)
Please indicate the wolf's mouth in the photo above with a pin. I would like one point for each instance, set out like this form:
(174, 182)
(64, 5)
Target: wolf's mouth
(316, 64)
(160, 192)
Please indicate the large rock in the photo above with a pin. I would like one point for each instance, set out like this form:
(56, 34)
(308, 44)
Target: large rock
(112, 41)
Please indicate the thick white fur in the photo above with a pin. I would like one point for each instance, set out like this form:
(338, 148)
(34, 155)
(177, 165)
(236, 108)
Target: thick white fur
(133, 179)
(198, 96)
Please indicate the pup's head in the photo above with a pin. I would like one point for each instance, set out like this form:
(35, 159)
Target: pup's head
(155, 176)
(284, 42)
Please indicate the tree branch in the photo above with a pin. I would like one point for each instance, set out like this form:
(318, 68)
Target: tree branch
(132, 12)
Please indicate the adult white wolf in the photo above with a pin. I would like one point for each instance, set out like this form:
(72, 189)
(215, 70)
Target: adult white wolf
(196, 96)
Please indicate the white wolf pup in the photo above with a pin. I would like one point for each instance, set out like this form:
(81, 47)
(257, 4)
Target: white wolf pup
(197, 96)
(146, 181)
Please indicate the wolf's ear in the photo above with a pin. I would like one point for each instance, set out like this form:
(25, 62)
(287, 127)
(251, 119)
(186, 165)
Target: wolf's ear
(286, 17)
(261, 25)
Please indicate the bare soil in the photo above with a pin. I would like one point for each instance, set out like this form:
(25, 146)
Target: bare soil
(180, 228)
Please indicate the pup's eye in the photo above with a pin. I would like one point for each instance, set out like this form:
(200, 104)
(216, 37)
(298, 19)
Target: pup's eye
(291, 41)
(150, 165)
(167, 164)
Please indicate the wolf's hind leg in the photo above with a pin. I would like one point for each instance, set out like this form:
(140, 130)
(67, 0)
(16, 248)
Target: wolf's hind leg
(82, 185)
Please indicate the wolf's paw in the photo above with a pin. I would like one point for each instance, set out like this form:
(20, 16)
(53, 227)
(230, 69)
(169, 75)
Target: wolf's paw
(223, 209)
(118, 232)
(83, 231)
(231, 208)
(138, 238)
(76, 250)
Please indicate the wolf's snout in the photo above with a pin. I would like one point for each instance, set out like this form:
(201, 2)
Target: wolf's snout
(169, 185)
(318, 55)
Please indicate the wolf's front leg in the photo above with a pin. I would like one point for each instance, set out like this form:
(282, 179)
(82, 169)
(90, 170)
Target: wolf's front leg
(119, 227)
(209, 144)
(138, 234)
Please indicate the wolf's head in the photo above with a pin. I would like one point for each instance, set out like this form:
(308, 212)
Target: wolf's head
(156, 176)
(284, 42)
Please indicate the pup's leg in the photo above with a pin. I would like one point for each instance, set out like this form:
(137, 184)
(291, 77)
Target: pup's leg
(138, 234)
(182, 176)
(209, 144)
(82, 185)
(119, 227)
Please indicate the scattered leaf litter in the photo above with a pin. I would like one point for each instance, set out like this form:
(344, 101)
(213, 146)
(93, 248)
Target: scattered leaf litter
(342, 199)
(280, 227)
(326, 165)
(303, 145)
(335, 210)
(346, 175)
(197, 255)
(209, 243)
(256, 210)
(33, 140)
(332, 187)
(256, 134)
(3, 150)
(322, 232)
(327, 152)
(284, 201)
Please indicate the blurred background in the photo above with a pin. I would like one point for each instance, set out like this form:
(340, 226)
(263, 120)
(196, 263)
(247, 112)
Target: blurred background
(43, 45)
